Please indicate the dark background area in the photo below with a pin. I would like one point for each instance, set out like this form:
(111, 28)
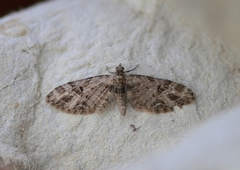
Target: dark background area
(9, 6)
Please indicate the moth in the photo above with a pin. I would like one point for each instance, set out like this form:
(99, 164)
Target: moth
(144, 93)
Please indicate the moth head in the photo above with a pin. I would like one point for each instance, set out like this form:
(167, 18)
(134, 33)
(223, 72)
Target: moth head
(119, 68)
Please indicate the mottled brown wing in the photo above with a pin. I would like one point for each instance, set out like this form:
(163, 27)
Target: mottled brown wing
(84, 96)
(155, 95)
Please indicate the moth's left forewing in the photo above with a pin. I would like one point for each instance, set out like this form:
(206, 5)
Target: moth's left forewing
(84, 96)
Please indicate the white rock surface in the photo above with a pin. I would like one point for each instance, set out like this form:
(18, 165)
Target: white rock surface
(213, 146)
(60, 41)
